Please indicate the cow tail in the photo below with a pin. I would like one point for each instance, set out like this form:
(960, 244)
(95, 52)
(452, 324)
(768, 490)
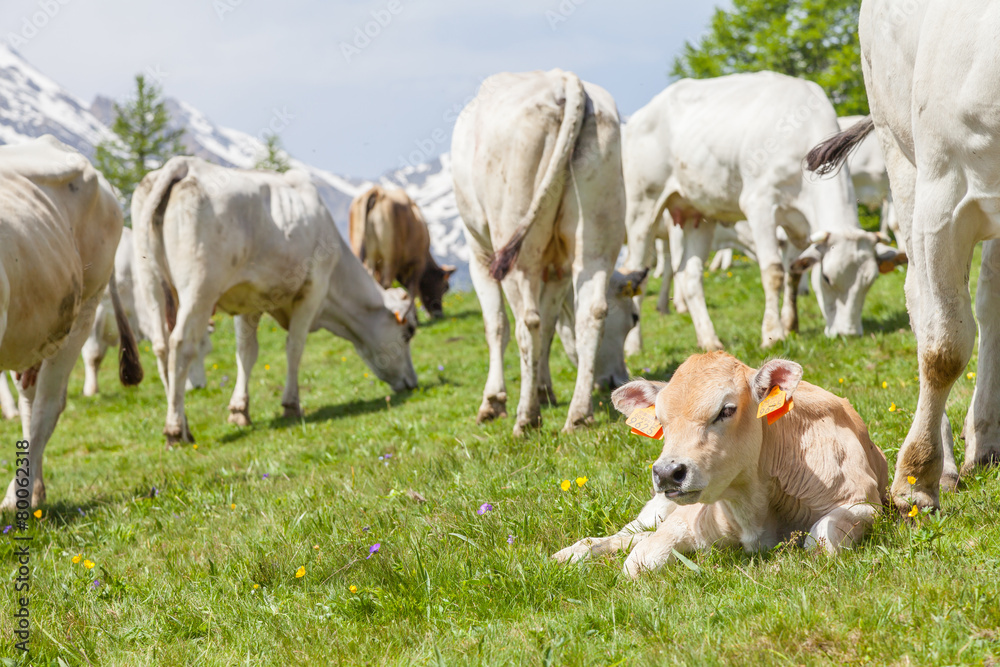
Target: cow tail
(129, 364)
(553, 184)
(830, 155)
(358, 222)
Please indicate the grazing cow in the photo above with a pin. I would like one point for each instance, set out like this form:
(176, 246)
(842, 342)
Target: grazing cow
(8, 405)
(610, 370)
(727, 477)
(931, 73)
(729, 149)
(60, 225)
(104, 333)
(390, 236)
(255, 242)
(538, 183)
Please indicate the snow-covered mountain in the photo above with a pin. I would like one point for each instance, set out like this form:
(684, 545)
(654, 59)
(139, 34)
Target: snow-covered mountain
(32, 104)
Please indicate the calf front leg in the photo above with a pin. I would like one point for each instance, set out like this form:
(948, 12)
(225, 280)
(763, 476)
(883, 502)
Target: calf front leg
(841, 527)
(652, 515)
(246, 356)
(687, 528)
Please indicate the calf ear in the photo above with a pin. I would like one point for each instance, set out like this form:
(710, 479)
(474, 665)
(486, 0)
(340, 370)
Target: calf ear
(777, 372)
(636, 395)
(888, 257)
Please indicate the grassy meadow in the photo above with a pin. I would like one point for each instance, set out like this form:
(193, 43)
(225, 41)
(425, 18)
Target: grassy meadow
(195, 550)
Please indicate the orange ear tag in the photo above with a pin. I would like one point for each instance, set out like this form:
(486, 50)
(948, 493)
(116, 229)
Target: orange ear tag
(399, 318)
(644, 422)
(775, 406)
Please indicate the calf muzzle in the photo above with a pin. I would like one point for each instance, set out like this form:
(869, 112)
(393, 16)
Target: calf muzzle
(669, 477)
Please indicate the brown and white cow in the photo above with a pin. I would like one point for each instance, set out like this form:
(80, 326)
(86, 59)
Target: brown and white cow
(727, 477)
(390, 236)
(59, 227)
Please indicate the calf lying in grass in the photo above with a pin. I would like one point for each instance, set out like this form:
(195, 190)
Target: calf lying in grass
(729, 476)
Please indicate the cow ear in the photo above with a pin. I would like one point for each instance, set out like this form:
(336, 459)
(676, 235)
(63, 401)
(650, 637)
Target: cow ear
(888, 257)
(775, 373)
(448, 270)
(636, 395)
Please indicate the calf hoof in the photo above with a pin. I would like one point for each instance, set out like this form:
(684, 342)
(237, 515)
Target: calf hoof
(239, 417)
(493, 407)
(292, 412)
(547, 396)
(575, 553)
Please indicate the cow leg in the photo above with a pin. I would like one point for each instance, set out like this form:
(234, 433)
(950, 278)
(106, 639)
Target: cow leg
(949, 471)
(93, 353)
(553, 298)
(590, 287)
(192, 321)
(246, 356)
(43, 402)
(697, 244)
(641, 251)
(633, 340)
(790, 305)
(667, 272)
(772, 273)
(841, 527)
(982, 423)
(677, 252)
(298, 330)
(652, 515)
(937, 296)
(524, 293)
(196, 376)
(497, 328)
(8, 406)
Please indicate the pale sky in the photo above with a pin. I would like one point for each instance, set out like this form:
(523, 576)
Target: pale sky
(244, 62)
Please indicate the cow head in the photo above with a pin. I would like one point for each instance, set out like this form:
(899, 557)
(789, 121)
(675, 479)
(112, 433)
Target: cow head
(847, 264)
(386, 348)
(711, 434)
(434, 282)
(610, 369)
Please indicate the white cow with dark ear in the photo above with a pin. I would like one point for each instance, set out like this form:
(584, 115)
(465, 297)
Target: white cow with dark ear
(932, 74)
(728, 475)
(729, 149)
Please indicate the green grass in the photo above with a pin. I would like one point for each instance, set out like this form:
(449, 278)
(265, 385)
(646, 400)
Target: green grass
(186, 579)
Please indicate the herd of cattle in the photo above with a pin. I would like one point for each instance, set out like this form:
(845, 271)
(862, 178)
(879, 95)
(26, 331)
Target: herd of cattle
(550, 185)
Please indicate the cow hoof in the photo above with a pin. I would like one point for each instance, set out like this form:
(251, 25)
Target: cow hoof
(663, 309)
(492, 408)
(908, 497)
(714, 345)
(239, 417)
(985, 459)
(178, 438)
(574, 424)
(523, 425)
(547, 396)
(292, 412)
(949, 481)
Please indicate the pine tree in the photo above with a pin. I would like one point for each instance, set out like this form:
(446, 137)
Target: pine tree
(143, 140)
(275, 159)
(810, 39)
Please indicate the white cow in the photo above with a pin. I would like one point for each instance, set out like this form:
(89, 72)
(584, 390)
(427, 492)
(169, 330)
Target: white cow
(104, 333)
(610, 370)
(255, 242)
(729, 149)
(933, 77)
(537, 170)
(60, 225)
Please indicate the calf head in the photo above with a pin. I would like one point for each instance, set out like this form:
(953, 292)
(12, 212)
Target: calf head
(847, 264)
(386, 348)
(610, 369)
(711, 433)
(434, 282)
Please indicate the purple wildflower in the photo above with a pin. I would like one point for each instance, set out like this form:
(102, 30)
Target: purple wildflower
(484, 508)
(154, 492)
(7, 529)
(440, 367)
(97, 583)
(373, 549)
(266, 475)
(647, 370)
(510, 539)
(80, 510)
(388, 456)
(366, 529)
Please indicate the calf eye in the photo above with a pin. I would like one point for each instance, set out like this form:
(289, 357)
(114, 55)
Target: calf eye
(727, 412)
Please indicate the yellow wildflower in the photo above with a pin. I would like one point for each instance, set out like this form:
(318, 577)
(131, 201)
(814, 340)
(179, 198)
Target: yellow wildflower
(580, 481)
(343, 358)
(77, 558)
(911, 480)
(892, 407)
(316, 547)
(885, 385)
(232, 506)
(267, 367)
(565, 485)
(215, 367)
(914, 512)
(841, 380)
(301, 572)
(353, 589)
(729, 274)
(970, 376)
(194, 446)
(38, 514)
(256, 586)
(366, 374)
(89, 564)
